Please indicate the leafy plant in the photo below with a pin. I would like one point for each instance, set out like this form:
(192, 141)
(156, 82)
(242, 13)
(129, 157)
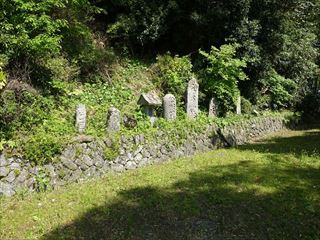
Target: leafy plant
(246, 106)
(8, 144)
(222, 71)
(42, 180)
(41, 148)
(3, 79)
(172, 74)
(280, 89)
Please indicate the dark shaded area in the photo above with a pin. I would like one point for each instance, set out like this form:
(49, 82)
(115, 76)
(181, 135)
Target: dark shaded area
(308, 144)
(220, 202)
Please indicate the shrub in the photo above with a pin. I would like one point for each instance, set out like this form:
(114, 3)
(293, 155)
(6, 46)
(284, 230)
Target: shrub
(221, 74)
(172, 74)
(246, 106)
(41, 147)
(61, 72)
(33, 31)
(3, 77)
(279, 89)
(21, 110)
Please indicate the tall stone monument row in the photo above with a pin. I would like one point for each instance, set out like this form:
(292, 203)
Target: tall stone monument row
(149, 102)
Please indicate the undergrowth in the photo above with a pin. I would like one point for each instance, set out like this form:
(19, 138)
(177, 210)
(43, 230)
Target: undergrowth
(37, 126)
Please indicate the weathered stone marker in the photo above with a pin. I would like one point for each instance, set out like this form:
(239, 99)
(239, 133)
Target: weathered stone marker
(213, 108)
(239, 105)
(192, 98)
(113, 120)
(170, 107)
(81, 118)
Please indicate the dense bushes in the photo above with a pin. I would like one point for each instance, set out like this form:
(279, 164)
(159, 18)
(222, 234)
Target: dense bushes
(279, 89)
(55, 54)
(172, 74)
(35, 34)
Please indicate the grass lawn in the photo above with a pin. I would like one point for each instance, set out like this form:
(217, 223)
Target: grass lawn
(267, 190)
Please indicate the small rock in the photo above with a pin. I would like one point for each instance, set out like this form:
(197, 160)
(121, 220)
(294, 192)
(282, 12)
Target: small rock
(141, 139)
(129, 156)
(10, 160)
(139, 157)
(51, 170)
(143, 162)
(69, 164)
(138, 151)
(3, 161)
(117, 168)
(23, 176)
(129, 121)
(122, 151)
(11, 177)
(137, 139)
(69, 153)
(81, 164)
(6, 190)
(75, 176)
(83, 139)
(15, 166)
(145, 153)
(87, 160)
(108, 142)
(131, 165)
(4, 171)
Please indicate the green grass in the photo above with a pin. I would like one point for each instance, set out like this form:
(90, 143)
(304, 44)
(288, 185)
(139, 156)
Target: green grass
(267, 190)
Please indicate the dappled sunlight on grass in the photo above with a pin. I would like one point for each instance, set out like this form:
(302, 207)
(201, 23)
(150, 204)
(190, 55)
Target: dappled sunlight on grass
(301, 143)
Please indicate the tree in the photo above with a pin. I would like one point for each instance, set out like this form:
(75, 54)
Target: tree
(221, 75)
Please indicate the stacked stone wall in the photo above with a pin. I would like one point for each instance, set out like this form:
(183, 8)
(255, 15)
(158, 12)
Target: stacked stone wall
(89, 158)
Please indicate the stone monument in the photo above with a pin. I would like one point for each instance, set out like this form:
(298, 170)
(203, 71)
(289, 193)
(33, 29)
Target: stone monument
(170, 107)
(113, 120)
(81, 118)
(192, 98)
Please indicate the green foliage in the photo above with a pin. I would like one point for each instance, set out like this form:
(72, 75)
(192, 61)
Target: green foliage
(61, 72)
(6, 144)
(41, 148)
(111, 153)
(281, 90)
(143, 21)
(172, 74)
(21, 110)
(221, 75)
(36, 34)
(3, 78)
(246, 106)
(28, 29)
(42, 180)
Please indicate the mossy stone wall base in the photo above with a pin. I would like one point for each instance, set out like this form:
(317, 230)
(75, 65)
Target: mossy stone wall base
(89, 158)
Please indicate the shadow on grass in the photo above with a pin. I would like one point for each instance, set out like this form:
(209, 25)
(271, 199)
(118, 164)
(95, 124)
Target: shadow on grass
(307, 144)
(236, 201)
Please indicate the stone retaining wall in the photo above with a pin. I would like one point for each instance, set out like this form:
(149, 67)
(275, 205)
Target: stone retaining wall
(88, 158)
